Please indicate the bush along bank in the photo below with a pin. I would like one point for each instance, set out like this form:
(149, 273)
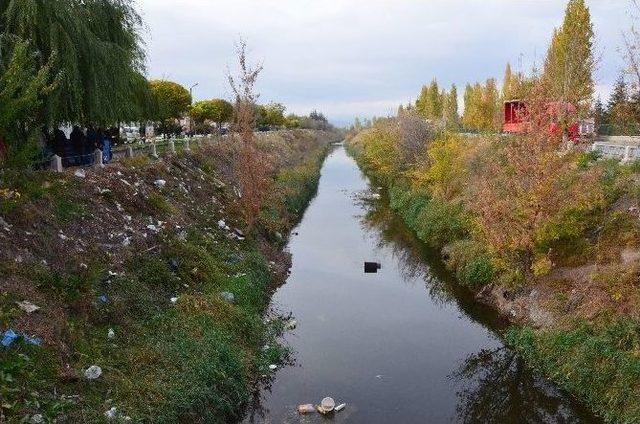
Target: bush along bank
(549, 237)
(136, 292)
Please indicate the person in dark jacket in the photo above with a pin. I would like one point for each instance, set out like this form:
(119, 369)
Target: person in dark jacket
(59, 142)
(78, 141)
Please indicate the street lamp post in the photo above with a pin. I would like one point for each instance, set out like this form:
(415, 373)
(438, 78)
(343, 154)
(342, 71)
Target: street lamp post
(191, 95)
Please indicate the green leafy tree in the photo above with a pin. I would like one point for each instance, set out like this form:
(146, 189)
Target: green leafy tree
(216, 110)
(274, 114)
(568, 68)
(172, 100)
(430, 101)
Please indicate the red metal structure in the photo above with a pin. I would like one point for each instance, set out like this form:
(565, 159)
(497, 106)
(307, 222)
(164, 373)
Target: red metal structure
(516, 117)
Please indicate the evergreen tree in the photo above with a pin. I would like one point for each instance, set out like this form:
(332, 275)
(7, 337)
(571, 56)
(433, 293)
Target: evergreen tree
(569, 63)
(619, 109)
(600, 114)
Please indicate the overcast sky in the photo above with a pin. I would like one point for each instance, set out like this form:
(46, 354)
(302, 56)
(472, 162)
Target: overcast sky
(362, 58)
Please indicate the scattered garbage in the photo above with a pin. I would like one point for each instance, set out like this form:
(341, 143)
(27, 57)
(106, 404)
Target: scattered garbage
(36, 419)
(223, 225)
(111, 334)
(228, 296)
(102, 298)
(328, 404)
(235, 258)
(32, 340)
(159, 183)
(93, 372)
(9, 337)
(291, 325)
(27, 306)
(372, 267)
(173, 264)
(306, 409)
(340, 407)
(111, 414)
(238, 232)
(80, 173)
(174, 300)
(273, 367)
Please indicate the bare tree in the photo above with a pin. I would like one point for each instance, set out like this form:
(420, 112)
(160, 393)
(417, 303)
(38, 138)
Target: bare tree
(251, 170)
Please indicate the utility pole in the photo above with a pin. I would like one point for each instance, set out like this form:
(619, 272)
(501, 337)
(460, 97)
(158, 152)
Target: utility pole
(191, 95)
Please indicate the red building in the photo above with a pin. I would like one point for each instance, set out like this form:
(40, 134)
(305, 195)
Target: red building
(516, 118)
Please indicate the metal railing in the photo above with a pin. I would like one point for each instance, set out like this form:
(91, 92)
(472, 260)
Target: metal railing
(154, 149)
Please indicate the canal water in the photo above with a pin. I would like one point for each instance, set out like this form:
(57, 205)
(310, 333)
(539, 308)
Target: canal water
(405, 345)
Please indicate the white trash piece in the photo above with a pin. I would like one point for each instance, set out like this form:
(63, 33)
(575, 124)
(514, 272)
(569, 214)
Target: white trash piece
(306, 409)
(340, 407)
(111, 414)
(159, 183)
(273, 367)
(111, 334)
(328, 404)
(27, 306)
(93, 372)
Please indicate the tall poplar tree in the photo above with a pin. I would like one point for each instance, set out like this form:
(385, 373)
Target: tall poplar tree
(568, 68)
(450, 113)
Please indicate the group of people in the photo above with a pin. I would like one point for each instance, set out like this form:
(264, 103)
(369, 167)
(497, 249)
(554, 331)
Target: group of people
(80, 147)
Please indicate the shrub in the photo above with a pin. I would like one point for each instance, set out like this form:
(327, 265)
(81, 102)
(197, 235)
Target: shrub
(471, 263)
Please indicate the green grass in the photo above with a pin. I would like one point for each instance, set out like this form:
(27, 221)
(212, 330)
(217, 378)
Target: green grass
(599, 363)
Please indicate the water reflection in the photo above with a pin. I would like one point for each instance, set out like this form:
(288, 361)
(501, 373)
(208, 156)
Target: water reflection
(499, 388)
(496, 386)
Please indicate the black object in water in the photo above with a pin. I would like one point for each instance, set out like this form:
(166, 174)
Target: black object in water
(371, 267)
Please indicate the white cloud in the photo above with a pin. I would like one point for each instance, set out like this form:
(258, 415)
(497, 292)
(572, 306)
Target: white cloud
(360, 57)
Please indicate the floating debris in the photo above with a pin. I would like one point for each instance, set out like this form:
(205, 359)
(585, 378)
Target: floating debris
(372, 267)
(340, 407)
(291, 325)
(328, 404)
(306, 409)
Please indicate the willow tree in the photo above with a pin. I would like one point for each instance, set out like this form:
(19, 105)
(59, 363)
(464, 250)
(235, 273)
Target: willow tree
(95, 48)
(23, 83)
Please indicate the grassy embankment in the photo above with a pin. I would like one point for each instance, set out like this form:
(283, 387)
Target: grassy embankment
(549, 239)
(110, 250)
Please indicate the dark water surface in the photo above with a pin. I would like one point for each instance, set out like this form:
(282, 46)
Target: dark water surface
(406, 345)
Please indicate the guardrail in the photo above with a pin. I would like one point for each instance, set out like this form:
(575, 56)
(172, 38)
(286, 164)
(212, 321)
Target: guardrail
(152, 148)
(625, 153)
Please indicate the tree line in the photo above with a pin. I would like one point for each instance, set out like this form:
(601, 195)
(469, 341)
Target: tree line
(83, 62)
(567, 76)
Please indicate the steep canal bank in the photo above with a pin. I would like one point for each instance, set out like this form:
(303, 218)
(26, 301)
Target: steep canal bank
(405, 345)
